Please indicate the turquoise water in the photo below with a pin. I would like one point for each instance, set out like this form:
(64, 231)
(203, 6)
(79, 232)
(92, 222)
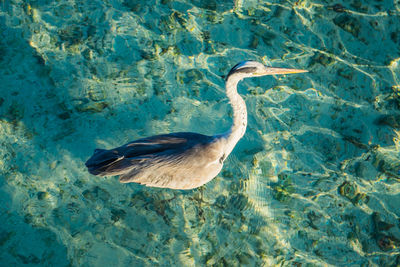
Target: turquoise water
(314, 182)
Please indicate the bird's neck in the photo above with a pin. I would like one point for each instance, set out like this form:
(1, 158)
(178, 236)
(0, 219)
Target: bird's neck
(239, 115)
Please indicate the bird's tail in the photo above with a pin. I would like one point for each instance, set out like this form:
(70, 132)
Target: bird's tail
(105, 162)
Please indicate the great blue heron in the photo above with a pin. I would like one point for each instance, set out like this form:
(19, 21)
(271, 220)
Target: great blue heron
(182, 160)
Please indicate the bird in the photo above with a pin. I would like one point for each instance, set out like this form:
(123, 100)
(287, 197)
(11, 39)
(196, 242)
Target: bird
(182, 160)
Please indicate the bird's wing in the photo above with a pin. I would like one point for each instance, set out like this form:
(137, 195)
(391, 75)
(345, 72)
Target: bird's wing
(162, 143)
(121, 159)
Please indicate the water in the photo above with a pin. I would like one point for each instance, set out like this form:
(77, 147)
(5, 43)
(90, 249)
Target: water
(314, 182)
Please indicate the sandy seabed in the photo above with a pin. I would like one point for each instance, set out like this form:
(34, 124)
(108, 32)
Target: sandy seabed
(314, 182)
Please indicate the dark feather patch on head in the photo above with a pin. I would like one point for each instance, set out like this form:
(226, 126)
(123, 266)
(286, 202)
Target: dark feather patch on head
(235, 69)
(242, 70)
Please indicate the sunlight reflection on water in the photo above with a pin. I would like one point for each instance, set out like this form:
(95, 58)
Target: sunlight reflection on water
(313, 181)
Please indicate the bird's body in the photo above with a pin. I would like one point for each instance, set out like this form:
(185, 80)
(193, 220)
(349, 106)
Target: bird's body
(181, 160)
(178, 160)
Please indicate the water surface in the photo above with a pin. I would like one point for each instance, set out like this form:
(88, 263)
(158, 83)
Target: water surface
(314, 181)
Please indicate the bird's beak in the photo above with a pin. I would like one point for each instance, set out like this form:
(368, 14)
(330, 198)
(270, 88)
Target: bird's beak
(274, 71)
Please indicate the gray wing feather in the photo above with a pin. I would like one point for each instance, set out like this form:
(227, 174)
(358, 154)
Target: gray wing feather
(129, 159)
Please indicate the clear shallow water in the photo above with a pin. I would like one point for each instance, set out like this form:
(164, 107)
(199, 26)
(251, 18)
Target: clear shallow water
(314, 182)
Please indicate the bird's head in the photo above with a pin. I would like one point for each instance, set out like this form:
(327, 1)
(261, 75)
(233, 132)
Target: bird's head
(250, 68)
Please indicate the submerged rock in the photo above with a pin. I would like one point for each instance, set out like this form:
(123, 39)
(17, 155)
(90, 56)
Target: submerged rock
(283, 190)
(72, 34)
(43, 195)
(117, 214)
(97, 94)
(348, 190)
(379, 224)
(281, 194)
(386, 242)
(191, 76)
(337, 8)
(389, 120)
(349, 24)
(323, 59)
(91, 107)
(15, 112)
(360, 199)
(96, 193)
